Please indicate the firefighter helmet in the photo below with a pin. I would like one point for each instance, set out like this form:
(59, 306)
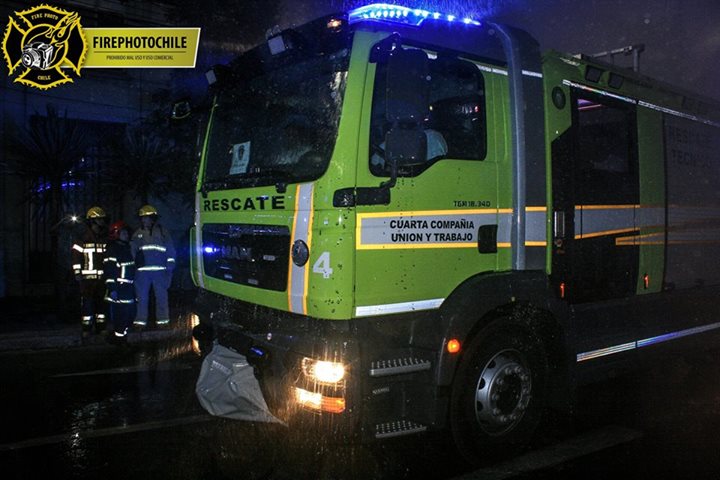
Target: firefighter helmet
(146, 210)
(95, 212)
(116, 228)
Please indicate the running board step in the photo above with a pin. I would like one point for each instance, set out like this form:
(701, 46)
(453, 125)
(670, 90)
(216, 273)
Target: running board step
(398, 428)
(383, 368)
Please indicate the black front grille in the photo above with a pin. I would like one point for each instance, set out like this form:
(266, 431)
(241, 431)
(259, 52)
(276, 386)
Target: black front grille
(255, 255)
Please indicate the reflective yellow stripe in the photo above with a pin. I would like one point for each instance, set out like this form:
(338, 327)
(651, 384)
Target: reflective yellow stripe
(302, 224)
(604, 233)
(309, 244)
(158, 248)
(151, 268)
(109, 299)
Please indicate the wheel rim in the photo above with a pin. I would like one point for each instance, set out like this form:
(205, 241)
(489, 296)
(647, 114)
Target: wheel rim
(503, 392)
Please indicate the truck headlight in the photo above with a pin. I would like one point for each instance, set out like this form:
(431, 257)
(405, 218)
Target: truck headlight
(323, 371)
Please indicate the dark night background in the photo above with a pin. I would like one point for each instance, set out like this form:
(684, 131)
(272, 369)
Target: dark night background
(681, 37)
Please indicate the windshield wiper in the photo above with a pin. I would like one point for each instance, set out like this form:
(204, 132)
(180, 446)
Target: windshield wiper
(266, 172)
(221, 184)
(248, 180)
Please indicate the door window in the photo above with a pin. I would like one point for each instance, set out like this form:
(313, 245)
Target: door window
(606, 160)
(455, 126)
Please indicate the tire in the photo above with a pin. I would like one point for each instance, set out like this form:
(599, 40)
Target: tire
(498, 394)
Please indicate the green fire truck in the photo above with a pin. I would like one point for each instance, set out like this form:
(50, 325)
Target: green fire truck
(410, 221)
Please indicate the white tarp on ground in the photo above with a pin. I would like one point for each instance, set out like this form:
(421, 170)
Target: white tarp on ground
(227, 387)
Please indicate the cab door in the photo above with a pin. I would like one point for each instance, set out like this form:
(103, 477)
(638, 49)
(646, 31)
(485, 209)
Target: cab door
(440, 223)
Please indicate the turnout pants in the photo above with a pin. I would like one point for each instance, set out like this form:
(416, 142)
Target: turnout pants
(92, 306)
(121, 316)
(159, 281)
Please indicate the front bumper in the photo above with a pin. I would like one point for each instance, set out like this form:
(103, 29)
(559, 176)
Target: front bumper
(389, 387)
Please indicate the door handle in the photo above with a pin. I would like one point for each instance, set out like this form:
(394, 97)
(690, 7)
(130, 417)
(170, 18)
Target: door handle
(487, 238)
(558, 224)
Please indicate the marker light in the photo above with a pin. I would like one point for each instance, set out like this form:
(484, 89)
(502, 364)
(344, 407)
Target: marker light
(323, 372)
(334, 23)
(383, 12)
(194, 322)
(317, 401)
(453, 345)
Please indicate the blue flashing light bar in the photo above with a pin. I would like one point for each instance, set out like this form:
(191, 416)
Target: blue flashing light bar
(383, 12)
(65, 185)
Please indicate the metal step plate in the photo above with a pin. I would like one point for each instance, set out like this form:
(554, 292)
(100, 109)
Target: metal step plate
(397, 366)
(397, 428)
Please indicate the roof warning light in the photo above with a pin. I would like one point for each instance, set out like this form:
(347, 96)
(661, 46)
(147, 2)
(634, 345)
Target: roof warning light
(383, 12)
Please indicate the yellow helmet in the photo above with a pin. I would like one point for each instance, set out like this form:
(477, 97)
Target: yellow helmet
(95, 212)
(146, 210)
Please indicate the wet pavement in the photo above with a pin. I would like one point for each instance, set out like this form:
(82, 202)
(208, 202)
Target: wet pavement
(104, 411)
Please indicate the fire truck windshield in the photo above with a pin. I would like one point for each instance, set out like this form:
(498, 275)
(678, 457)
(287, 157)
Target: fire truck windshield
(277, 127)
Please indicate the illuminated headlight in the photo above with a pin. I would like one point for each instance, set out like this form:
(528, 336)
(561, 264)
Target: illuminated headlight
(322, 371)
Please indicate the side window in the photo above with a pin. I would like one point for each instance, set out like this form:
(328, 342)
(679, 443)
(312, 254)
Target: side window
(455, 127)
(606, 166)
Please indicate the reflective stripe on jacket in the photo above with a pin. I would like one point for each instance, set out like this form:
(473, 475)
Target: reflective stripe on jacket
(87, 255)
(153, 249)
(119, 272)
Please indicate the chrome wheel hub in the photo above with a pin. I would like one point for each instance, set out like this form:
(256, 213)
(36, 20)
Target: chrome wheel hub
(503, 392)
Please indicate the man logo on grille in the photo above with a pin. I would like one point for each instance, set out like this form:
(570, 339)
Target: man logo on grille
(50, 40)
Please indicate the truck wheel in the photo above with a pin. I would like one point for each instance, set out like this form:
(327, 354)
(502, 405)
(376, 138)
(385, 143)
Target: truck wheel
(498, 393)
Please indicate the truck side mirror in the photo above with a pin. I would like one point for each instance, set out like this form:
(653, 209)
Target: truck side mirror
(408, 86)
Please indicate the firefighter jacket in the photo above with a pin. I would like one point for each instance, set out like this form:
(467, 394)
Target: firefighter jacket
(153, 249)
(119, 275)
(88, 252)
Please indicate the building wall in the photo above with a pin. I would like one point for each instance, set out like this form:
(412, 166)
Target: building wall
(119, 96)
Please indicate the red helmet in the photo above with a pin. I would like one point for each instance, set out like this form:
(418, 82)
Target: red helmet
(116, 228)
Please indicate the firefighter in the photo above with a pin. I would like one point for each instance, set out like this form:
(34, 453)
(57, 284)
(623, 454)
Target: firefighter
(88, 252)
(154, 254)
(119, 275)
